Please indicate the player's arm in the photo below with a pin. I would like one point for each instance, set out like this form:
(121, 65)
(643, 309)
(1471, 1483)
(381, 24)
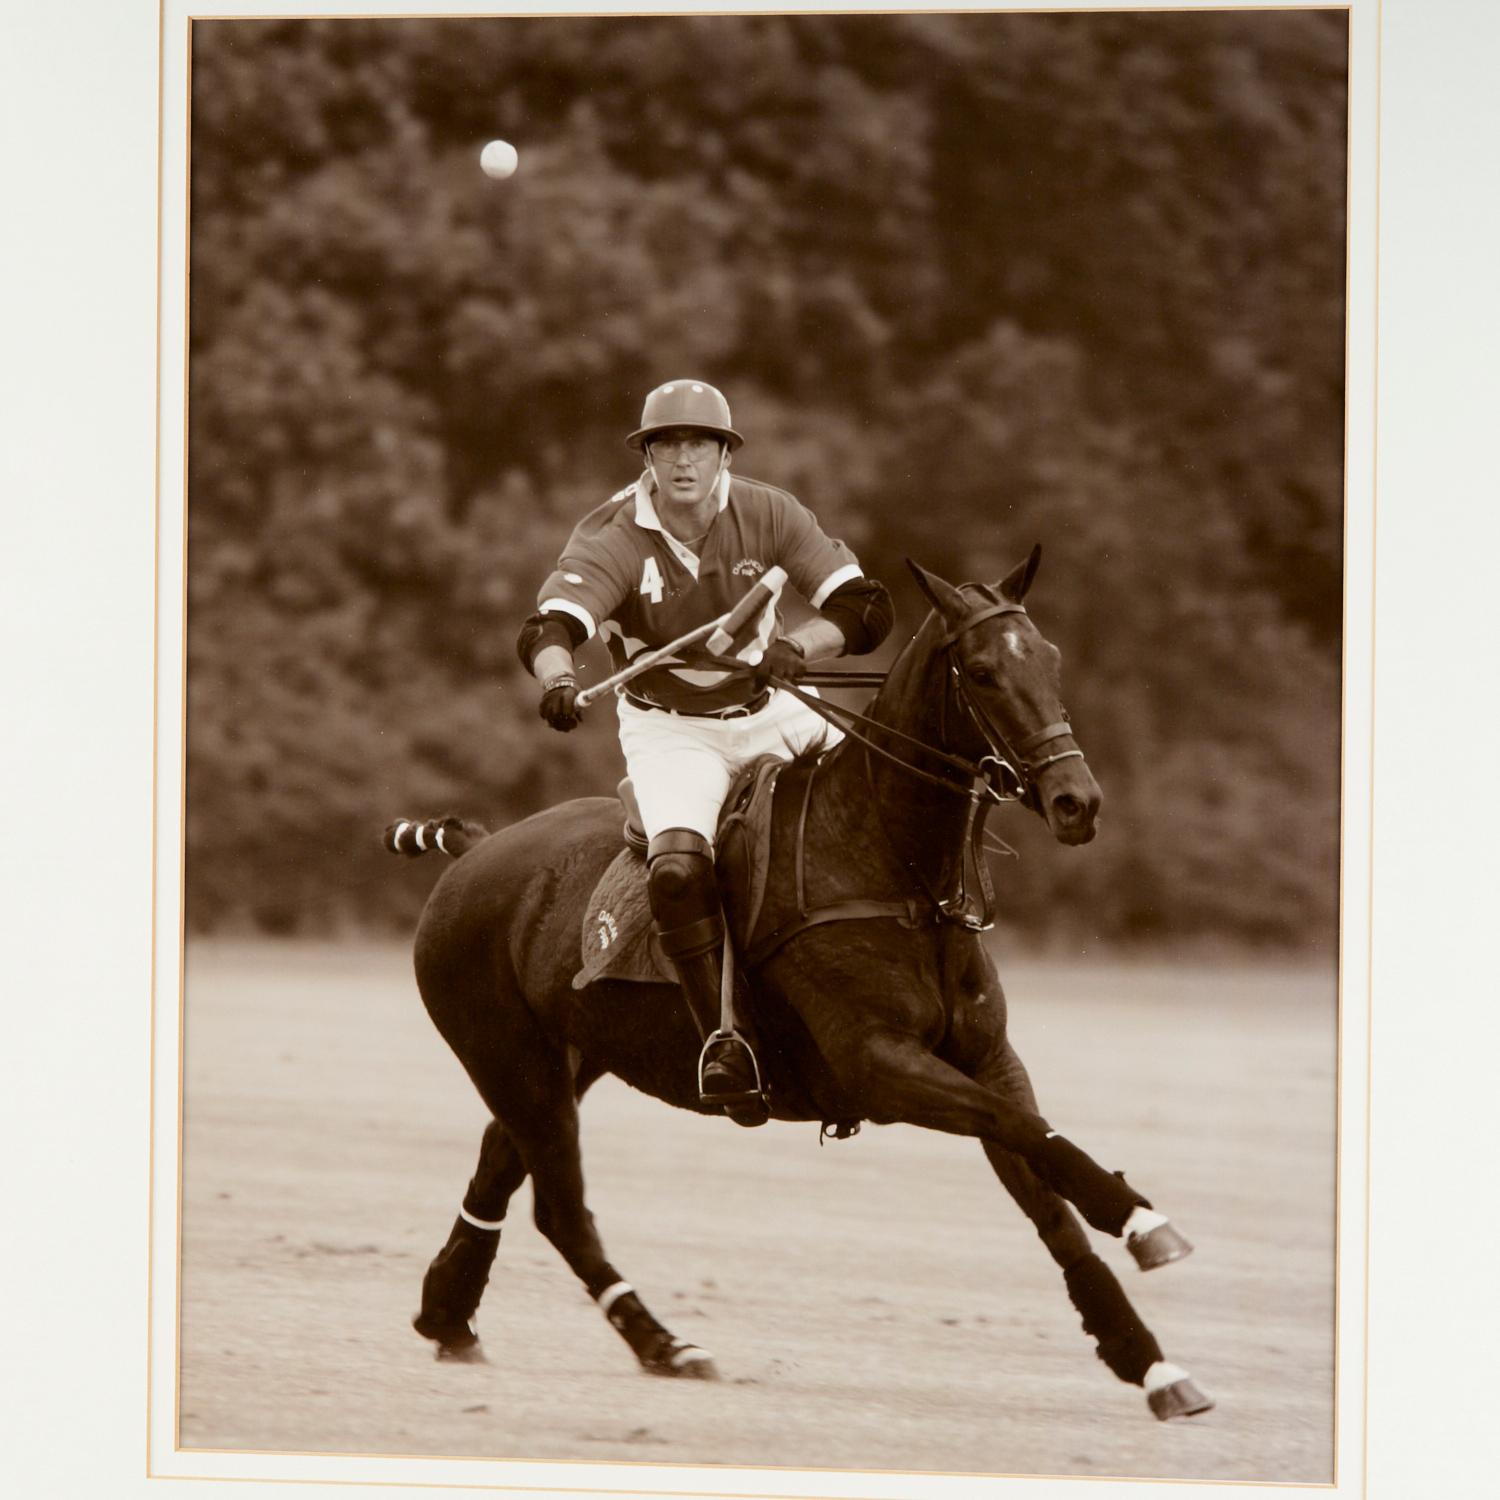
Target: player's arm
(854, 612)
(815, 638)
(546, 645)
(582, 590)
(853, 619)
(858, 611)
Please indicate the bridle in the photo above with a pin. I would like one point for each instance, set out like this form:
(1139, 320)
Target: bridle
(1005, 763)
(1003, 757)
(1004, 773)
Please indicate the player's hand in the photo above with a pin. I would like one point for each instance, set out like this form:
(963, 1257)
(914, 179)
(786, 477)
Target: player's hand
(559, 706)
(784, 659)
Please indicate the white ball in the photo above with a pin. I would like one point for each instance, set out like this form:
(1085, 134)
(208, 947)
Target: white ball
(499, 159)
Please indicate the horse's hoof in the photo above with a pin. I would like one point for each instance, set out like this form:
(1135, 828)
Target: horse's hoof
(455, 1341)
(1170, 1393)
(683, 1362)
(471, 1353)
(1151, 1239)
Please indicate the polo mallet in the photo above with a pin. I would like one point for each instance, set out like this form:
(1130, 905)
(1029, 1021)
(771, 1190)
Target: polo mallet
(718, 634)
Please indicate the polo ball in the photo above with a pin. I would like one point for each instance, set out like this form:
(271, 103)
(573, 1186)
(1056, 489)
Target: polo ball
(498, 159)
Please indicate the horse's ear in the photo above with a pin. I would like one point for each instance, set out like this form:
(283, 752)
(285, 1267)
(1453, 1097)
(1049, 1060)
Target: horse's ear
(943, 597)
(1018, 580)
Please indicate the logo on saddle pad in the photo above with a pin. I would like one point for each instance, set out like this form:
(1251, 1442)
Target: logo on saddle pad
(748, 567)
(608, 929)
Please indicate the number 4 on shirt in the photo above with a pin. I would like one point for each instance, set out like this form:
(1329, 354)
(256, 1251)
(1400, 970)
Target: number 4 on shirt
(651, 580)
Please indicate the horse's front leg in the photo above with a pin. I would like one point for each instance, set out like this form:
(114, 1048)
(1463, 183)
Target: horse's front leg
(978, 1045)
(877, 1042)
(892, 1078)
(1122, 1340)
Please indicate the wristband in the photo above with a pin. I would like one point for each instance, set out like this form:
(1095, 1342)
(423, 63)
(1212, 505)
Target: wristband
(562, 679)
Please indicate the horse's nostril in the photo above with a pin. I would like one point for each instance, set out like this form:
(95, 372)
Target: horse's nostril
(1067, 807)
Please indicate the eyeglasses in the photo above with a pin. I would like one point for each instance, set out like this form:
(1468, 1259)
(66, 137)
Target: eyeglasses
(671, 449)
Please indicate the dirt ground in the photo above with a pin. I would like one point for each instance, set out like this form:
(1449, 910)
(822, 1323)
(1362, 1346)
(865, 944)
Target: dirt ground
(876, 1304)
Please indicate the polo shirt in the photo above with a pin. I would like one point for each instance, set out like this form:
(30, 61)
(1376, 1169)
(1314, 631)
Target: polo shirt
(623, 577)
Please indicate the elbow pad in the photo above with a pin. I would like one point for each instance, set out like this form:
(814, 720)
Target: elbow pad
(862, 610)
(548, 630)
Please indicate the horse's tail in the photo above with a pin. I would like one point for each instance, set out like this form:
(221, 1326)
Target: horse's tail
(412, 837)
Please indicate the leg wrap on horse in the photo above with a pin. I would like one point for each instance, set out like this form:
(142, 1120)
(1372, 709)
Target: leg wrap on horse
(455, 1282)
(1104, 1199)
(1126, 1345)
(659, 1352)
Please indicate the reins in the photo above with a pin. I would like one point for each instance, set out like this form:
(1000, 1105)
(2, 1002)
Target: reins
(1002, 756)
(834, 711)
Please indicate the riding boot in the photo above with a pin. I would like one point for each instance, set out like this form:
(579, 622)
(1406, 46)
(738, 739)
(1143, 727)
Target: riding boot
(685, 902)
(728, 1074)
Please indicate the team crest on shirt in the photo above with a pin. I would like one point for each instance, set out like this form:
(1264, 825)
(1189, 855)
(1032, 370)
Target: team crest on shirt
(748, 567)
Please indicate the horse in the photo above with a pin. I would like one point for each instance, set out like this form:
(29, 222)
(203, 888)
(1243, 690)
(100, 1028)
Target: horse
(874, 996)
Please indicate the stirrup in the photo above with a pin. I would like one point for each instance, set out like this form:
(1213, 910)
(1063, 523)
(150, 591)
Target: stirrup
(717, 1044)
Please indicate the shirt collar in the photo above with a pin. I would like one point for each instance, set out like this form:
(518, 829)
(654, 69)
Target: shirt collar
(645, 508)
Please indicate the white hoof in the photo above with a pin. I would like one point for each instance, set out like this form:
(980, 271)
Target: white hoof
(1152, 1241)
(1170, 1392)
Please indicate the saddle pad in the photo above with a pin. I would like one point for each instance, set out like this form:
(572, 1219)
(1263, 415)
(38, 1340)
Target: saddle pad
(618, 938)
(617, 928)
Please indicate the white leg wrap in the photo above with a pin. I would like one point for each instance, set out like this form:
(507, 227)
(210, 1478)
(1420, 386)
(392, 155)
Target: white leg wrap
(612, 1294)
(690, 1354)
(469, 1218)
(398, 832)
(1143, 1221)
(1162, 1374)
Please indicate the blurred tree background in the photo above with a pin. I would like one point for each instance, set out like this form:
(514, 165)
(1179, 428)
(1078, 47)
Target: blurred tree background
(969, 281)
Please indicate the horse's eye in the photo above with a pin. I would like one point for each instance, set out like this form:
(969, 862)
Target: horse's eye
(984, 677)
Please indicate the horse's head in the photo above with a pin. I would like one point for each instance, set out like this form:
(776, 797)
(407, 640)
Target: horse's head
(1002, 698)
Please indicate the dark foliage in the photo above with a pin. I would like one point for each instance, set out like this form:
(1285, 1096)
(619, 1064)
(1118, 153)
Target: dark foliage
(970, 281)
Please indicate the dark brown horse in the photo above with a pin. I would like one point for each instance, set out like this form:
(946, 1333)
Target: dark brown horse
(875, 999)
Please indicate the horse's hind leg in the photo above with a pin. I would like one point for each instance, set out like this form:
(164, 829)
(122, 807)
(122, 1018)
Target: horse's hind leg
(456, 1279)
(457, 1276)
(1123, 1341)
(532, 1087)
(562, 1215)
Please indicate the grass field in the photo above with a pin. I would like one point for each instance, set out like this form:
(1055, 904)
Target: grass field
(875, 1304)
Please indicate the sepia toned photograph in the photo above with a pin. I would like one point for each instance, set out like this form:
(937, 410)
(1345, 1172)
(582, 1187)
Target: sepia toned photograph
(764, 667)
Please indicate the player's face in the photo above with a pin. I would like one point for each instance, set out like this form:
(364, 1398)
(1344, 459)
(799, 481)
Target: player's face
(686, 464)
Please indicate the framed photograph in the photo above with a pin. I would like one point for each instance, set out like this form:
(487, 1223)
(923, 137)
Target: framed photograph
(936, 287)
(975, 409)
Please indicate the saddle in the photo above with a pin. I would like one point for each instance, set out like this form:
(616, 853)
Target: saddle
(618, 938)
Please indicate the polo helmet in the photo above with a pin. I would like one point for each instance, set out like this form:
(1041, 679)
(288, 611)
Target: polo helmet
(685, 403)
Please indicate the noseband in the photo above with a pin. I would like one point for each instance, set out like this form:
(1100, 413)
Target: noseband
(1003, 757)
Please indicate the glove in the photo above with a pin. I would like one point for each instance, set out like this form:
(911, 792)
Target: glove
(784, 658)
(559, 706)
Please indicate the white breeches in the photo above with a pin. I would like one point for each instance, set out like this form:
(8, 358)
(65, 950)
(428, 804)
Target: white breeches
(681, 767)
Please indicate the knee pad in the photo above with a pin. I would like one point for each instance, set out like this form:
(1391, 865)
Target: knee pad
(681, 885)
